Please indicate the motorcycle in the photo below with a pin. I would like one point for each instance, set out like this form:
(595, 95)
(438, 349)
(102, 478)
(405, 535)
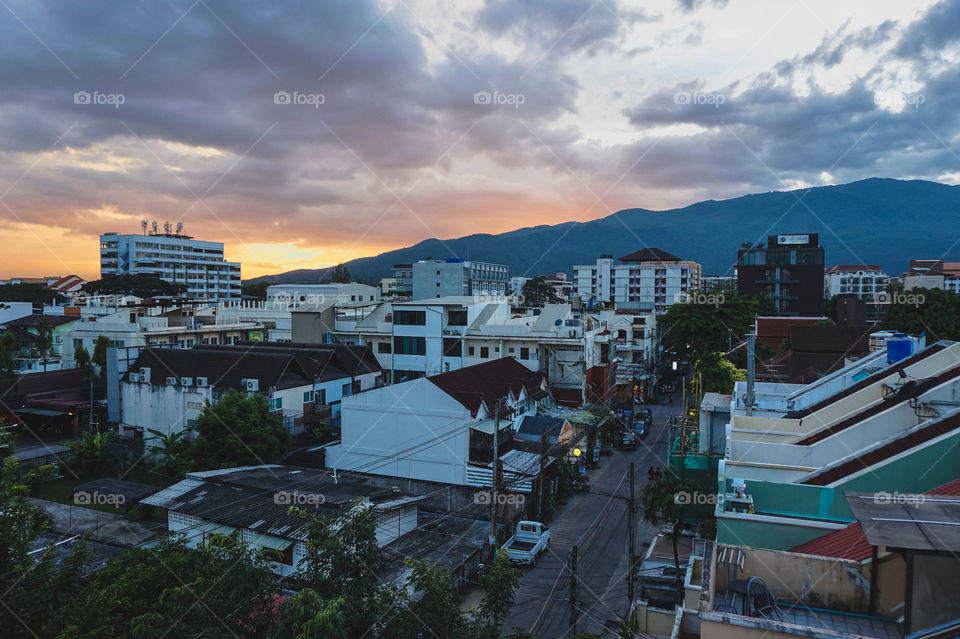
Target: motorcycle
(580, 484)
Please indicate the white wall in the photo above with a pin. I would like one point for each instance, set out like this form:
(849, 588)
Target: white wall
(10, 311)
(379, 424)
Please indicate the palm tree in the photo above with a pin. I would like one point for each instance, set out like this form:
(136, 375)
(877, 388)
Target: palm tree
(44, 340)
(172, 449)
(664, 501)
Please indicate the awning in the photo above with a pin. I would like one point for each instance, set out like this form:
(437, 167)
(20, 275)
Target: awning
(216, 529)
(487, 425)
(42, 412)
(269, 541)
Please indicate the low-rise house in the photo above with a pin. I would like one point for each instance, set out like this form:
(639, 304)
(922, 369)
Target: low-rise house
(254, 503)
(531, 428)
(347, 294)
(441, 428)
(26, 329)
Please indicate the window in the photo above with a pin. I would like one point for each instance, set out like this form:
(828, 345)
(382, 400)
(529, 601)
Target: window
(470, 351)
(524, 353)
(484, 351)
(353, 298)
(276, 403)
(438, 284)
(383, 347)
(355, 386)
(320, 396)
(347, 390)
(409, 345)
(307, 396)
(78, 343)
(452, 348)
(410, 318)
(457, 317)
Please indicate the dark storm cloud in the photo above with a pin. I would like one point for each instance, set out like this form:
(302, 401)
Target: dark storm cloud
(688, 6)
(939, 27)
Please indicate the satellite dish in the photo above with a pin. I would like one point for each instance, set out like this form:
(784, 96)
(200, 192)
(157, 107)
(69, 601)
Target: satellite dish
(558, 322)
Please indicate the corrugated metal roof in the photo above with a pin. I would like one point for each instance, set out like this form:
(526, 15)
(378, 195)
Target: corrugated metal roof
(171, 494)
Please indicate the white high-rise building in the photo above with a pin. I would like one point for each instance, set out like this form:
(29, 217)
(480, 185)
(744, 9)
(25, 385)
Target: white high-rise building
(173, 257)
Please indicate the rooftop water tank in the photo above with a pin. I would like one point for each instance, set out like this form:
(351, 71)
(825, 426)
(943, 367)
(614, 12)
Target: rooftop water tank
(899, 347)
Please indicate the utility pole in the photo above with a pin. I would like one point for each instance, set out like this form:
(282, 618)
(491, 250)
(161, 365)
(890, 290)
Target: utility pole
(631, 535)
(495, 466)
(543, 463)
(572, 563)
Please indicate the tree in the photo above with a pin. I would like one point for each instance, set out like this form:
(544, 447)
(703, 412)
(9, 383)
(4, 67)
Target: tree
(500, 581)
(8, 365)
(137, 285)
(692, 329)
(435, 612)
(238, 431)
(99, 357)
(93, 455)
(172, 450)
(81, 357)
(38, 294)
(44, 340)
(258, 290)
(307, 615)
(714, 373)
(340, 273)
(933, 311)
(664, 501)
(536, 292)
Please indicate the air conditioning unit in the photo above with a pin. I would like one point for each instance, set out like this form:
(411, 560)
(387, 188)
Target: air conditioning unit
(202, 381)
(251, 385)
(171, 381)
(186, 381)
(133, 377)
(145, 375)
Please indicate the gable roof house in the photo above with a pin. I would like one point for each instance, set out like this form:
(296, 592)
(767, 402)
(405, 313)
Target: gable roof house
(441, 428)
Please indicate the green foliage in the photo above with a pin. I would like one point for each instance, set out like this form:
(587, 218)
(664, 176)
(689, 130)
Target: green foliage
(8, 348)
(172, 450)
(93, 456)
(258, 290)
(138, 285)
(81, 357)
(306, 615)
(238, 431)
(714, 373)
(37, 294)
(692, 330)
(99, 357)
(500, 581)
(435, 612)
(536, 292)
(44, 343)
(666, 501)
(340, 274)
(933, 311)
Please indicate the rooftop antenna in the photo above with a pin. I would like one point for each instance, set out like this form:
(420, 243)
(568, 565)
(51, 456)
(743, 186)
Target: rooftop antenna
(167, 228)
(143, 226)
(154, 227)
(179, 227)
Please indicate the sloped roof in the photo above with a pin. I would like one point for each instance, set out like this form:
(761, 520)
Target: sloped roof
(485, 383)
(850, 542)
(852, 268)
(319, 361)
(33, 321)
(650, 255)
(547, 320)
(224, 369)
(535, 425)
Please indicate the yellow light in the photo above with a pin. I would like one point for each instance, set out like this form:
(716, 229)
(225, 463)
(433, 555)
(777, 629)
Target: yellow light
(576, 452)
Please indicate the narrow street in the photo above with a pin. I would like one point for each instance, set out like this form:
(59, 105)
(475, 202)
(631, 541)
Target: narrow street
(597, 524)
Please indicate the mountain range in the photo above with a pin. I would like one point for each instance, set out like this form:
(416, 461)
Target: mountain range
(873, 221)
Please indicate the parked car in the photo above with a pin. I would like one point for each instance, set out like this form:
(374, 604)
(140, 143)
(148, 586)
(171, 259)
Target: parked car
(528, 541)
(643, 424)
(628, 440)
(580, 484)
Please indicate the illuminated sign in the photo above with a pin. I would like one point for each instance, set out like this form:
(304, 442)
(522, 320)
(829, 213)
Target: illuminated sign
(793, 239)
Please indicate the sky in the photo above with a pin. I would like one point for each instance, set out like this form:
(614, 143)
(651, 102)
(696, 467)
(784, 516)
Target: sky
(302, 134)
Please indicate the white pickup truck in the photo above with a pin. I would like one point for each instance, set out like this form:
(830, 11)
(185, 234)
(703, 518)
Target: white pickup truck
(529, 540)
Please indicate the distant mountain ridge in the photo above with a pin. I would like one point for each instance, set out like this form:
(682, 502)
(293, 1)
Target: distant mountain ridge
(874, 221)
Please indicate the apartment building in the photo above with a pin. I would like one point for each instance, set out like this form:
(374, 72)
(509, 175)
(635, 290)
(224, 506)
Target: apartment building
(456, 276)
(427, 337)
(933, 274)
(172, 257)
(648, 280)
(861, 281)
(788, 270)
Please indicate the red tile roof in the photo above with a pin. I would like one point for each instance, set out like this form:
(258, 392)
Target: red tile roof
(850, 542)
(485, 383)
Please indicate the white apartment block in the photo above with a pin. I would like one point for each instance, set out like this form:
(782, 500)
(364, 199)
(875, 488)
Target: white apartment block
(647, 280)
(175, 258)
(455, 277)
(862, 281)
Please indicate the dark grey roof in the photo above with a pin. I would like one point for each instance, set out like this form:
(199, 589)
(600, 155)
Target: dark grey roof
(533, 426)
(914, 522)
(650, 255)
(320, 361)
(224, 368)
